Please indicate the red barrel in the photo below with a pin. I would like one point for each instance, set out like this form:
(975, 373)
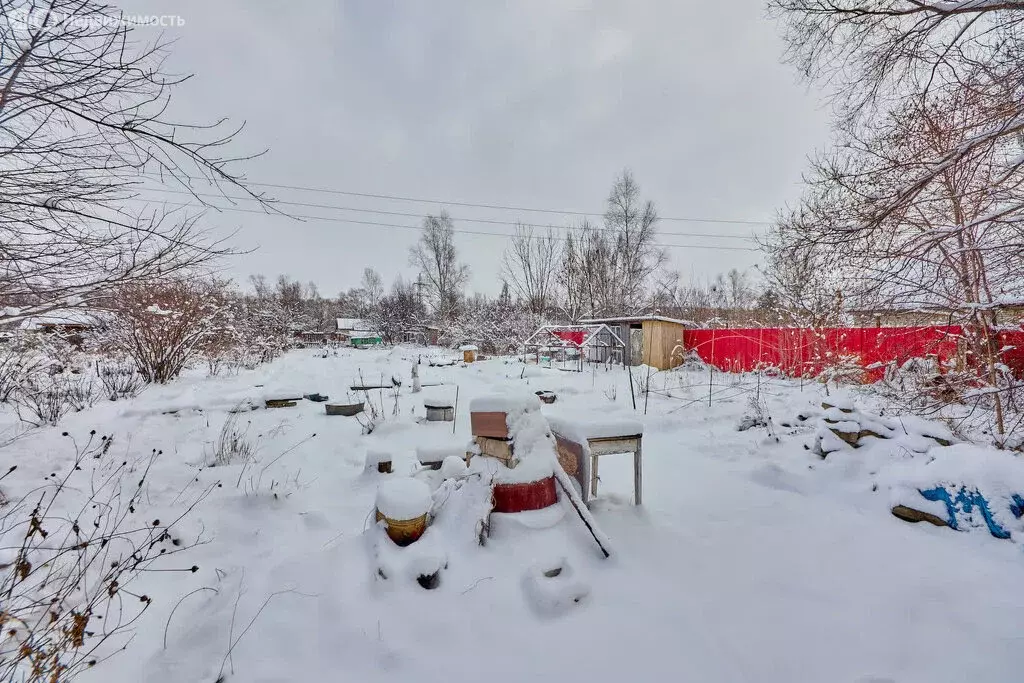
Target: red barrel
(521, 497)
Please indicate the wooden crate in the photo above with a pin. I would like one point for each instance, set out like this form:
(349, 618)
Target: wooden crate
(493, 425)
(495, 448)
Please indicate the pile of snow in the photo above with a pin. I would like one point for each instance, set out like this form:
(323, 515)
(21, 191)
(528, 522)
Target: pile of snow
(511, 403)
(403, 498)
(453, 467)
(439, 453)
(439, 397)
(843, 427)
(582, 426)
(533, 468)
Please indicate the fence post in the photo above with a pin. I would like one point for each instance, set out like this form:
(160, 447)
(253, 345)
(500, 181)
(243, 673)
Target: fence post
(711, 368)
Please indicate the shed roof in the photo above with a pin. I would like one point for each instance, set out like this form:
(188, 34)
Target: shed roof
(352, 324)
(612, 319)
(59, 318)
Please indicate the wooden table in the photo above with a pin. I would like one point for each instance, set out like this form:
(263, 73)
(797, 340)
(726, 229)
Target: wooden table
(568, 448)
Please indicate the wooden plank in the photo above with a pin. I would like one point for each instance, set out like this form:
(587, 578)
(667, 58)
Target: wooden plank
(638, 475)
(615, 445)
(660, 339)
(489, 424)
(495, 448)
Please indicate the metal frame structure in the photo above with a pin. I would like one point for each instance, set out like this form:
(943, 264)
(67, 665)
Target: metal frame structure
(598, 341)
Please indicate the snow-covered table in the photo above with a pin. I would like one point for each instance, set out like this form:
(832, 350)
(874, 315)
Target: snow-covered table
(584, 438)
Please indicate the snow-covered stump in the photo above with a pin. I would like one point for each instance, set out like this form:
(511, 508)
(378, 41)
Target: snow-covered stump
(403, 504)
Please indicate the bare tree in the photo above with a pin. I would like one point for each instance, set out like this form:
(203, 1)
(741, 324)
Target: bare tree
(436, 258)
(530, 264)
(956, 246)
(83, 128)
(573, 300)
(373, 287)
(632, 224)
(398, 312)
(878, 53)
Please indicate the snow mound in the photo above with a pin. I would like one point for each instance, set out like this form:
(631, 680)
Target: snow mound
(582, 426)
(453, 467)
(552, 589)
(439, 397)
(439, 453)
(969, 486)
(532, 468)
(403, 498)
(511, 403)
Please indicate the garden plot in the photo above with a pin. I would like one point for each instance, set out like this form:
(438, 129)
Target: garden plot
(752, 558)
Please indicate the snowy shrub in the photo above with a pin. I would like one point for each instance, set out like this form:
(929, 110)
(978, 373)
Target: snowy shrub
(163, 326)
(119, 380)
(253, 478)
(69, 552)
(233, 444)
(753, 416)
(44, 400)
(16, 365)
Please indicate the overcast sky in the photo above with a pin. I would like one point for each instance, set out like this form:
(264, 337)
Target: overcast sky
(530, 103)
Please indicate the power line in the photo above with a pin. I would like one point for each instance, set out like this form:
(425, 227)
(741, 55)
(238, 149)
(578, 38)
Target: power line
(421, 215)
(329, 219)
(393, 197)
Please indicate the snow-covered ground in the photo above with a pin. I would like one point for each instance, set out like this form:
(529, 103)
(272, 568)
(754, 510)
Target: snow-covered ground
(750, 560)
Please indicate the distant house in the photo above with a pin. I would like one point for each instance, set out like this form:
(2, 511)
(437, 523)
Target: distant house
(650, 339)
(357, 332)
(72, 324)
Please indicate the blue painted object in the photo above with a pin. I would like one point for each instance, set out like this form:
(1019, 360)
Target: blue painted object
(1017, 506)
(966, 501)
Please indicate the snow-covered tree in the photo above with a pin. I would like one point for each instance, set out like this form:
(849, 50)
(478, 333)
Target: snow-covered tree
(437, 259)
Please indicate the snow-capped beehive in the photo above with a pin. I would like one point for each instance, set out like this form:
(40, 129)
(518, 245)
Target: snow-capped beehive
(403, 504)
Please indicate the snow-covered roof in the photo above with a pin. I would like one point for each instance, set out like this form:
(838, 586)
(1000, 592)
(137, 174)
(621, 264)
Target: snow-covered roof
(353, 324)
(612, 319)
(60, 317)
(469, 347)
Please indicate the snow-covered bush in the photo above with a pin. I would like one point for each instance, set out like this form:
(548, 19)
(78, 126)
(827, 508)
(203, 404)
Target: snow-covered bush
(16, 364)
(65, 576)
(119, 380)
(233, 444)
(44, 399)
(163, 326)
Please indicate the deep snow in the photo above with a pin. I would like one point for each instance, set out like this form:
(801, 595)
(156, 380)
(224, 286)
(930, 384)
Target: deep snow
(750, 560)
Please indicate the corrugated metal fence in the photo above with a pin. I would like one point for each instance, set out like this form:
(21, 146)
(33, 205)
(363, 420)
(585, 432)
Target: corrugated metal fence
(806, 352)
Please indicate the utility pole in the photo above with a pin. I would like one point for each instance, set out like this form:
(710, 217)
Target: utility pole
(419, 289)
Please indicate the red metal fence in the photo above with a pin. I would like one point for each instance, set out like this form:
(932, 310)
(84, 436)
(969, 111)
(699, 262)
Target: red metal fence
(802, 351)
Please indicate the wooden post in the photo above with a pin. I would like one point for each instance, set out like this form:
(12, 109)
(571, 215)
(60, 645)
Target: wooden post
(637, 475)
(455, 410)
(593, 476)
(711, 368)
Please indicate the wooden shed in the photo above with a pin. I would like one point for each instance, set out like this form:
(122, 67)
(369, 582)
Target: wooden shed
(649, 339)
